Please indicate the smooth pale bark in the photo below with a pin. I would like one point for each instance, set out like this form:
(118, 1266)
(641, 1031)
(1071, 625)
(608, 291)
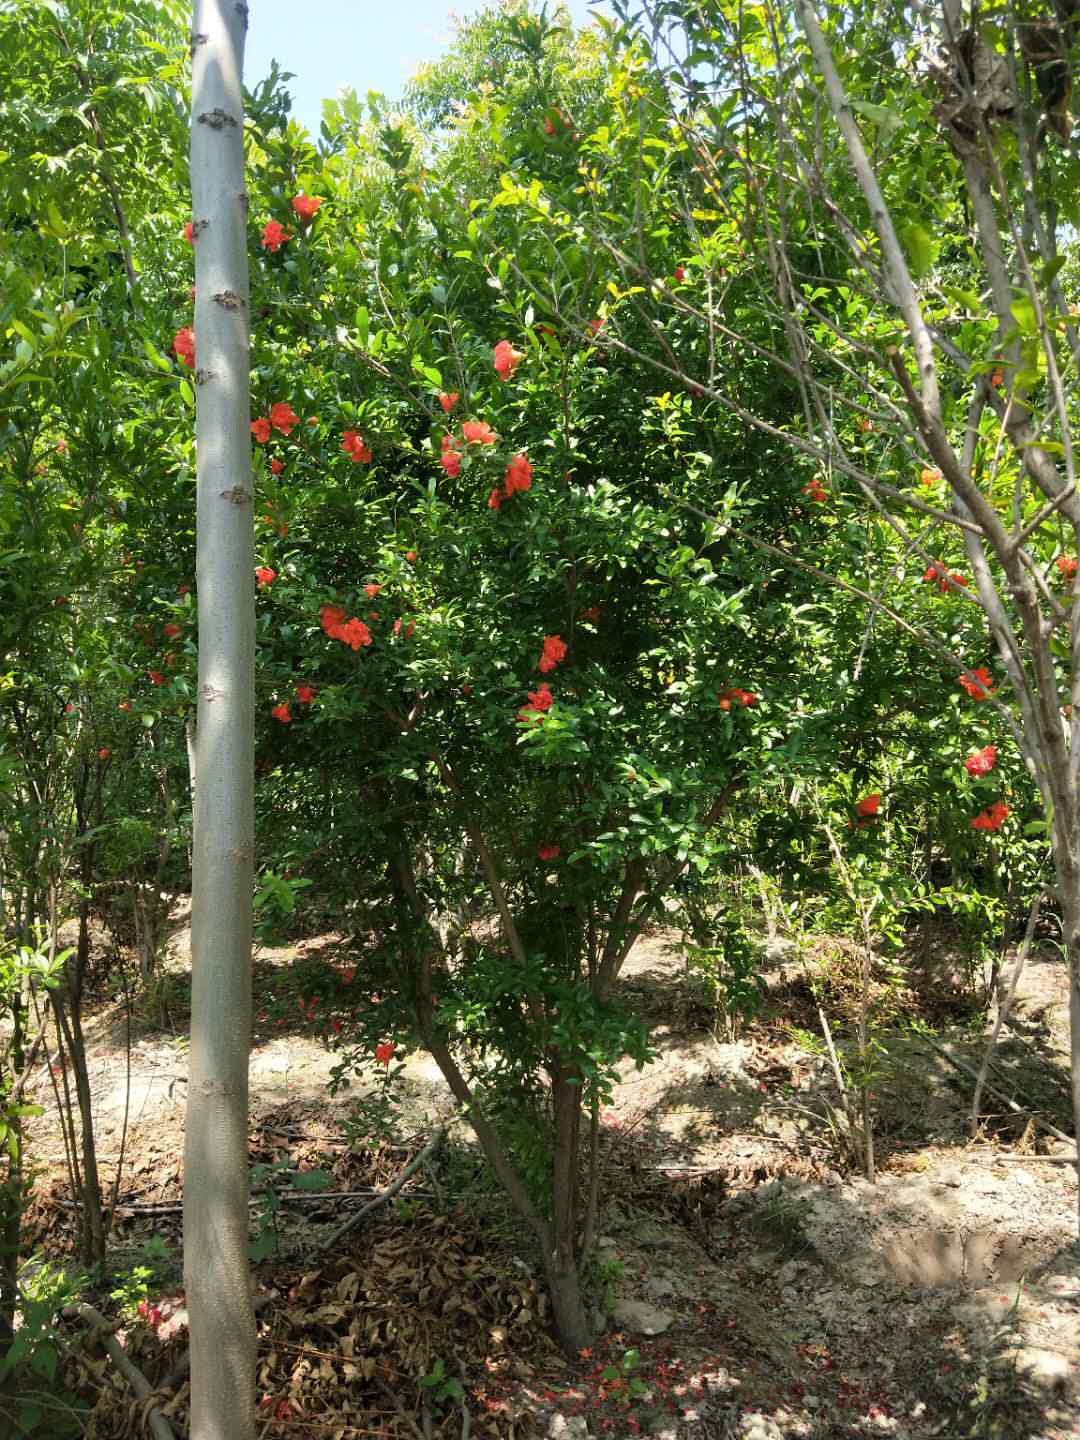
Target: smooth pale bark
(216, 1156)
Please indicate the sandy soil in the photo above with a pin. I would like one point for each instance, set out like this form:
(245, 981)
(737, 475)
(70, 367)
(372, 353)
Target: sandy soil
(742, 1252)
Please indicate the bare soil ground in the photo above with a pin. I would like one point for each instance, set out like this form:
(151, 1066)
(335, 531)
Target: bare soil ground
(766, 1290)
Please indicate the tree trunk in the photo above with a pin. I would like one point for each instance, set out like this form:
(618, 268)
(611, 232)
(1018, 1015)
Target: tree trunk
(216, 1154)
(572, 1324)
(1071, 921)
(92, 1222)
(560, 1260)
(11, 1199)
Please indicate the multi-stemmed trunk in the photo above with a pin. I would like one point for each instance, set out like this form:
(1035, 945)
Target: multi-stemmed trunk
(216, 1155)
(1067, 867)
(562, 1268)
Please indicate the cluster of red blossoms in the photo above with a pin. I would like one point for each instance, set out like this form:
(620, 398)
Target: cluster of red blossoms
(305, 695)
(518, 477)
(354, 447)
(306, 206)
(1066, 565)
(735, 696)
(992, 818)
(274, 235)
(945, 581)
(981, 762)
(506, 359)
(350, 632)
(979, 688)
(282, 418)
(866, 811)
(183, 346)
(552, 651)
(539, 700)
(816, 491)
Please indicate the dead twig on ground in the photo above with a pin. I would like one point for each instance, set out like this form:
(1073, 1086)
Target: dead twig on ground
(400, 1408)
(388, 1194)
(999, 1095)
(1003, 1011)
(144, 1391)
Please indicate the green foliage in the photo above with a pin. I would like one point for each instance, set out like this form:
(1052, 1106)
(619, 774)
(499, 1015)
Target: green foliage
(730, 968)
(440, 1389)
(153, 1269)
(29, 1369)
(594, 200)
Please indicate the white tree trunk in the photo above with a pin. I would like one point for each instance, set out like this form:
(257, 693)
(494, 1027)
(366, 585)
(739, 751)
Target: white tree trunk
(216, 1154)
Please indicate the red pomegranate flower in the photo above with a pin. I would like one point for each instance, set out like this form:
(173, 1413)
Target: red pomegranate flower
(354, 447)
(979, 688)
(868, 805)
(355, 633)
(274, 235)
(384, 1052)
(183, 346)
(549, 852)
(554, 650)
(539, 699)
(992, 818)
(306, 206)
(518, 475)
(281, 712)
(305, 693)
(981, 762)
(261, 430)
(332, 619)
(477, 432)
(282, 417)
(448, 401)
(265, 576)
(506, 359)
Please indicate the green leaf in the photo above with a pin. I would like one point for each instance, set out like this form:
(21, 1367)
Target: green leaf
(314, 1182)
(887, 121)
(1023, 312)
(30, 1415)
(263, 1246)
(919, 244)
(1051, 271)
(43, 1361)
